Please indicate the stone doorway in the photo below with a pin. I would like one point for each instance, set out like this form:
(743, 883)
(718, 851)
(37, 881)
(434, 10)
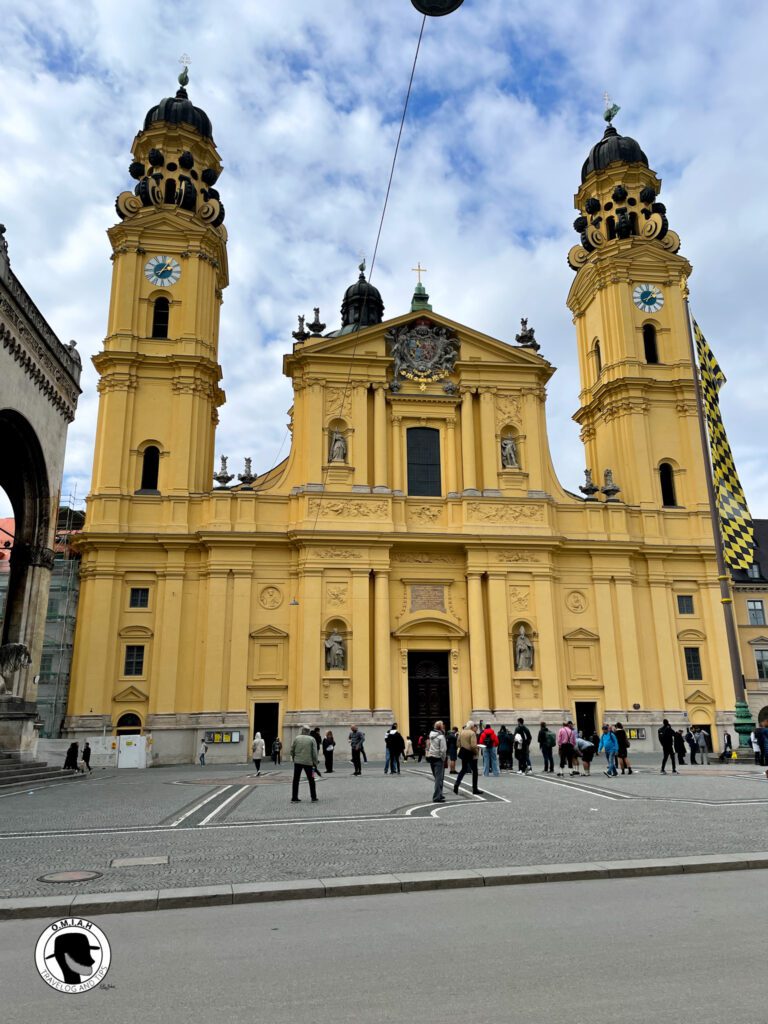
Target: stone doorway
(586, 718)
(428, 692)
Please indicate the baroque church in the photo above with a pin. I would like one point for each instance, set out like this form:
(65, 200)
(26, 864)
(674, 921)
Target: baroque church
(415, 556)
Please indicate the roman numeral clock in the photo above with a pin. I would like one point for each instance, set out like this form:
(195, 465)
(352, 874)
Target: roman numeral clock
(162, 271)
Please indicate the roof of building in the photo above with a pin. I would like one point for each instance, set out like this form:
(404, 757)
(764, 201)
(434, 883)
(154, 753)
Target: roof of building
(760, 556)
(179, 109)
(612, 148)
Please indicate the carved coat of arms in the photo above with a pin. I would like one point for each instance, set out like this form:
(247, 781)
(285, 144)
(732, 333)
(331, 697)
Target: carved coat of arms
(422, 352)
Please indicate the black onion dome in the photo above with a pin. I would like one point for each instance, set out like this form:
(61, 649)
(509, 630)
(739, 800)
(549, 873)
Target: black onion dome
(179, 109)
(362, 304)
(612, 148)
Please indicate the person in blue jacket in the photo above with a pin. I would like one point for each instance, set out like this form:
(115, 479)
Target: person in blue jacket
(610, 745)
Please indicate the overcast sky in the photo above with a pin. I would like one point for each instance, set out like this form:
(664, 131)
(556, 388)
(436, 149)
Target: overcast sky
(305, 97)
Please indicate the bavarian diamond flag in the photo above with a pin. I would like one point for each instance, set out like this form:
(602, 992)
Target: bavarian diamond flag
(735, 520)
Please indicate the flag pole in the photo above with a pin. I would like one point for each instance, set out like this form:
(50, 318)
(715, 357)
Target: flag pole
(743, 721)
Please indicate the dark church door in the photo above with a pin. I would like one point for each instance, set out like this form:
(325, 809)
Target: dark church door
(265, 720)
(428, 696)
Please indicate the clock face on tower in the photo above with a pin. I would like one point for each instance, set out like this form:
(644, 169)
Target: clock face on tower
(648, 297)
(162, 271)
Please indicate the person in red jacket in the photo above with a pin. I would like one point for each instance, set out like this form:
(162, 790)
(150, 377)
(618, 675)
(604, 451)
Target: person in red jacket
(489, 742)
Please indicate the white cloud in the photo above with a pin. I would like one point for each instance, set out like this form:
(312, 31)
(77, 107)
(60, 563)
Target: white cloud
(305, 99)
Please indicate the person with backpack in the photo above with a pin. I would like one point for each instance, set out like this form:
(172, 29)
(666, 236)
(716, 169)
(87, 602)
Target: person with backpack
(506, 748)
(566, 742)
(546, 740)
(489, 741)
(437, 752)
(667, 740)
(421, 746)
(396, 748)
(523, 755)
(623, 755)
(468, 751)
(610, 747)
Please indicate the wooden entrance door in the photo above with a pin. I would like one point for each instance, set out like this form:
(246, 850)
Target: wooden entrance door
(428, 692)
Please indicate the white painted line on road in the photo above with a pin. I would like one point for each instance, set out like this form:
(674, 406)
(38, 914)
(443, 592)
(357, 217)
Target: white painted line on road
(218, 792)
(220, 808)
(582, 789)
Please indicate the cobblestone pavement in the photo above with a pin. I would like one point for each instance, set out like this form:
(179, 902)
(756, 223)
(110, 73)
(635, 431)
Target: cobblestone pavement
(223, 824)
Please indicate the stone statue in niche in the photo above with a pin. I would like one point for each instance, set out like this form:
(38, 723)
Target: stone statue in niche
(334, 651)
(523, 651)
(509, 454)
(337, 451)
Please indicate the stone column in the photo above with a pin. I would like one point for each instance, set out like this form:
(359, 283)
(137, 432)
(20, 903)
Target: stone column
(499, 635)
(311, 642)
(382, 642)
(450, 456)
(397, 454)
(488, 443)
(477, 658)
(313, 433)
(361, 641)
(360, 440)
(379, 438)
(468, 443)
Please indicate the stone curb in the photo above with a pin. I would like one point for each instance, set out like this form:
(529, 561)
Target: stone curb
(91, 904)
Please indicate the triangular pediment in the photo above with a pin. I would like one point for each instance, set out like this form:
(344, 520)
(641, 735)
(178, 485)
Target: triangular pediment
(371, 343)
(698, 697)
(581, 634)
(268, 633)
(759, 641)
(130, 695)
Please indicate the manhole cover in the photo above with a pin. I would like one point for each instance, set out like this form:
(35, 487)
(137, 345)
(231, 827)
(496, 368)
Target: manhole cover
(69, 876)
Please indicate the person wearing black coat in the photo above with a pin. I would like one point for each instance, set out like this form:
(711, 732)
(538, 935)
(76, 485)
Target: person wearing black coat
(396, 748)
(70, 761)
(329, 745)
(680, 746)
(667, 740)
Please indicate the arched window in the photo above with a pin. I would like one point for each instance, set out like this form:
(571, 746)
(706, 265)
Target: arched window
(598, 359)
(667, 480)
(150, 468)
(424, 461)
(128, 724)
(649, 344)
(160, 312)
(170, 191)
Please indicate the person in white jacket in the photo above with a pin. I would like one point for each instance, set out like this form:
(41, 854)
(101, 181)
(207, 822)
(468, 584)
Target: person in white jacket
(258, 751)
(437, 751)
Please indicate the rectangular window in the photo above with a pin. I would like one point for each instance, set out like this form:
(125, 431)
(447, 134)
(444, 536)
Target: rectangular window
(761, 659)
(139, 597)
(685, 604)
(424, 462)
(134, 660)
(754, 571)
(693, 663)
(756, 613)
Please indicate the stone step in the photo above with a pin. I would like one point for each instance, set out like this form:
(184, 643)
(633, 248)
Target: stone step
(41, 778)
(26, 768)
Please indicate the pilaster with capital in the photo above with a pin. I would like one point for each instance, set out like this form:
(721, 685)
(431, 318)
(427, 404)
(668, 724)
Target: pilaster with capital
(468, 465)
(488, 442)
(478, 660)
(382, 642)
(379, 436)
(499, 641)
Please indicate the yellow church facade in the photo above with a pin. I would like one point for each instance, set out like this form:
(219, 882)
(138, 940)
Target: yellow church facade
(415, 556)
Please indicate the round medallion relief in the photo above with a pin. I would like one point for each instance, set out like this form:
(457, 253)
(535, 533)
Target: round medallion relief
(270, 598)
(576, 602)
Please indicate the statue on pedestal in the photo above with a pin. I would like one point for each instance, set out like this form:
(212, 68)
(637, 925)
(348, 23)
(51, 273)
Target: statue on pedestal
(509, 454)
(523, 651)
(338, 447)
(334, 651)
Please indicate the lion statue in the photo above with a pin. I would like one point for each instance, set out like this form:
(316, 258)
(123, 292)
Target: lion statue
(12, 658)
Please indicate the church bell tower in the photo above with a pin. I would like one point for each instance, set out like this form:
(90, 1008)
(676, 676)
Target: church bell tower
(637, 402)
(159, 371)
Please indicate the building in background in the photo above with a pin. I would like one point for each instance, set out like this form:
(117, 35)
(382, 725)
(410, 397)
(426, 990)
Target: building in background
(58, 640)
(39, 391)
(415, 556)
(750, 600)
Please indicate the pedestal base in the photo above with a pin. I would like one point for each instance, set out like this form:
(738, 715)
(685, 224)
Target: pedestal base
(18, 727)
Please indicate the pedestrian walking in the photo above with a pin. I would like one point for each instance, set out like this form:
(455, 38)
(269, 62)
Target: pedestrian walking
(408, 748)
(202, 752)
(304, 757)
(524, 758)
(329, 745)
(680, 746)
(436, 755)
(610, 747)
(452, 743)
(701, 742)
(395, 748)
(756, 747)
(546, 740)
(587, 750)
(277, 747)
(356, 741)
(70, 759)
(315, 734)
(258, 751)
(667, 740)
(727, 747)
(87, 756)
(566, 743)
(690, 739)
(421, 746)
(468, 755)
(622, 756)
(489, 741)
